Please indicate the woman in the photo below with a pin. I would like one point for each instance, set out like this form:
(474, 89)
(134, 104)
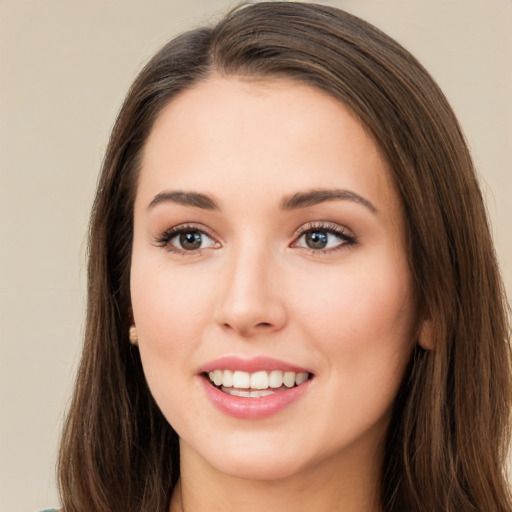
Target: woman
(294, 302)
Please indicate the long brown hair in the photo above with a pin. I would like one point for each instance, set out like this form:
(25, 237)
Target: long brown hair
(448, 437)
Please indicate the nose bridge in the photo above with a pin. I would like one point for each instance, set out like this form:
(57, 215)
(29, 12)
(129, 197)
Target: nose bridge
(250, 300)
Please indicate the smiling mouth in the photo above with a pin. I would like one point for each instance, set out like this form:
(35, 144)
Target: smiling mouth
(256, 384)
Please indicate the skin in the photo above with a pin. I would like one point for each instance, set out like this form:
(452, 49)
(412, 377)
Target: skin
(346, 313)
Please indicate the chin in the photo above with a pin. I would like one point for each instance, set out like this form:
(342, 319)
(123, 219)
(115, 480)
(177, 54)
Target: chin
(251, 461)
(259, 469)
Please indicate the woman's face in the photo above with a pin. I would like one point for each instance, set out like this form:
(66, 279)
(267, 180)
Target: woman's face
(269, 256)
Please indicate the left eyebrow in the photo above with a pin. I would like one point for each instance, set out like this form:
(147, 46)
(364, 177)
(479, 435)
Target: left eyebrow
(316, 196)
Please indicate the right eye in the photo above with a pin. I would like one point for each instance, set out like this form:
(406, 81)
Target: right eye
(186, 239)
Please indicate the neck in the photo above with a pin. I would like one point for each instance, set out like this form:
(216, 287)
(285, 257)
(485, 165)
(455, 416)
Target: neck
(352, 486)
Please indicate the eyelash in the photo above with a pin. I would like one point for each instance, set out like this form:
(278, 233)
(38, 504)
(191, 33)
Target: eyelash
(164, 240)
(348, 239)
(345, 235)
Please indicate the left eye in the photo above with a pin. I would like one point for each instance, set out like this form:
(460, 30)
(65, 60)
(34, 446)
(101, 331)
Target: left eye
(322, 239)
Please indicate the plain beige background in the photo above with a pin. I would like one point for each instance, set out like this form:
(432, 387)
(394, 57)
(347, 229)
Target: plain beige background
(65, 67)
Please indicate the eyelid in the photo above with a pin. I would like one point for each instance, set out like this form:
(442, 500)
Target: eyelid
(325, 225)
(347, 236)
(163, 240)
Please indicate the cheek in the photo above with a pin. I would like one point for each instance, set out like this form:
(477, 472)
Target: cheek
(363, 314)
(165, 315)
(167, 306)
(169, 311)
(363, 336)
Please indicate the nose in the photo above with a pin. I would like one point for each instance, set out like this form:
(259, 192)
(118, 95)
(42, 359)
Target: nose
(251, 300)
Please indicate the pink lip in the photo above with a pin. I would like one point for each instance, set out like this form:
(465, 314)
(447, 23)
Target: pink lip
(251, 365)
(252, 408)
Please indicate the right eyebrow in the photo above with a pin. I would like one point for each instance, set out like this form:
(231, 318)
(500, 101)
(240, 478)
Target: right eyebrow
(193, 199)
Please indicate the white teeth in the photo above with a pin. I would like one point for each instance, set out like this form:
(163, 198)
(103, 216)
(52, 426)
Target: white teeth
(300, 378)
(241, 380)
(228, 378)
(289, 379)
(218, 377)
(261, 380)
(275, 379)
(248, 393)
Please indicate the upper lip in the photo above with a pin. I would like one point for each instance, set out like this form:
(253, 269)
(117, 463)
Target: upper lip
(251, 365)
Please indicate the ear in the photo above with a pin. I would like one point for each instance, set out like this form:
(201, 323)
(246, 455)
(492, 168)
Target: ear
(426, 334)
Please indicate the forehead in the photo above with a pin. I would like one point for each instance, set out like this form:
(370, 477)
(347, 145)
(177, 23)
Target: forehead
(229, 134)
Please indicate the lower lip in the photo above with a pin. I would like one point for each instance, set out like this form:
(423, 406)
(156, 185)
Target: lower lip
(253, 408)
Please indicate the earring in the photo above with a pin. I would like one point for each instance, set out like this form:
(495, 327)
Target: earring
(426, 335)
(134, 339)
